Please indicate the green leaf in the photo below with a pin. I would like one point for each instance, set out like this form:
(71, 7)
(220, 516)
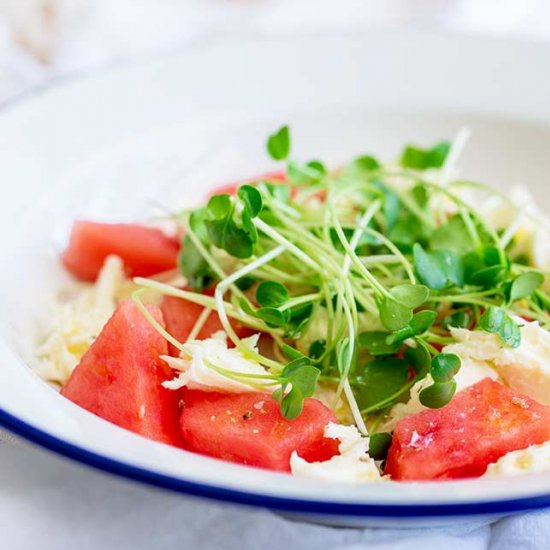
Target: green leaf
(225, 234)
(525, 284)
(485, 269)
(278, 144)
(244, 283)
(410, 295)
(438, 394)
(422, 321)
(317, 349)
(422, 159)
(406, 231)
(245, 305)
(271, 294)
(393, 314)
(251, 198)
(419, 324)
(304, 174)
(379, 445)
(380, 379)
(303, 379)
(219, 206)
(460, 319)
(273, 317)
(438, 269)
(497, 321)
(363, 164)
(193, 266)
(444, 367)
(197, 224)
(453, 236)
(376, 343)
(292, 353)
(419, 360)
(318, 166)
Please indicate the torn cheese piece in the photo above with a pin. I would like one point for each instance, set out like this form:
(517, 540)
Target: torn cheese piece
(202, 364)
(352, 465)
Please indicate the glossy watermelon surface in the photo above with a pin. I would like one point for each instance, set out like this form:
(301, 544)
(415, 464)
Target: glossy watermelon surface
(144, 250)
(248, 428)
(119, 378)
(480, 424)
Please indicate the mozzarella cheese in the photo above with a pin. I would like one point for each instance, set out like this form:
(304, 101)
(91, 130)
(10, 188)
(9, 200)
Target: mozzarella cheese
(200, 360)
(77, 322)
(525, 368)
(531, 239)
(471, 371)
(533, 459)
(352, 465)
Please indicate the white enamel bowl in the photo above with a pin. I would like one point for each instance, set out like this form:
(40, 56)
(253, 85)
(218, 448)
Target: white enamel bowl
(121, 144)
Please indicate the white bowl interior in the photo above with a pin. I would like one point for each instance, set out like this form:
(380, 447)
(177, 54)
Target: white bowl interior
(133, 141)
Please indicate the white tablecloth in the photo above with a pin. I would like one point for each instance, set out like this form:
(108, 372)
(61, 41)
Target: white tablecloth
(47, 502)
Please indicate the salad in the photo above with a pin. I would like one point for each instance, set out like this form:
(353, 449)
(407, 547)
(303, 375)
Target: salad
(370, 323)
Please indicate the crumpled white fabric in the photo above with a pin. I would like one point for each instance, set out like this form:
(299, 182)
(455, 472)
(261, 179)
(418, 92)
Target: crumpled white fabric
(64, 505)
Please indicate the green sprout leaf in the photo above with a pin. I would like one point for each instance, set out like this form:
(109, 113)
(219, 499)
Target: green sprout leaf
(453, 236)
(410, 295)
(271, 294)
(422, 159)
(497, 321)
(444, 367)
(460, 319)
(362, 165)
(393, 314)
(304, 174)
(438, 269)
(419, 324)
(303, 379)
(194, 267)
(525, 284)
(381, 379)
(251, 198)
(379, 445)
(438, 394)
(272, 316)
(278, 144)
(377, 344)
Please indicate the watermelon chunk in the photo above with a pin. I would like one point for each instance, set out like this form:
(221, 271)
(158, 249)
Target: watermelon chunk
(144, 251)
(480, 424)
(248, 428)
(119, 378)
(180, 317)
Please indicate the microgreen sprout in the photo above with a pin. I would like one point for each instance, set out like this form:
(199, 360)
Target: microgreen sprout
(359, 276)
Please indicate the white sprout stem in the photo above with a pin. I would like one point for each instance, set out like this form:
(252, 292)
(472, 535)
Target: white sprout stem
(360, 229)
(222, 287)
(354, 408)
(457, 147)
(293, 249)
(200, 299)
(136, 297)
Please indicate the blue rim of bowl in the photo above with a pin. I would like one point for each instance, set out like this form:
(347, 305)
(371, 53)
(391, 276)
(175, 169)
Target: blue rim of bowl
(283, 504)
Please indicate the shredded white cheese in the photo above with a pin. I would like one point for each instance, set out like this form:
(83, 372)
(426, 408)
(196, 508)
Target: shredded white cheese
(76, 323)
(533, 459)
(352, 465)
(525, 368)
(201, 363)
(530, 238)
